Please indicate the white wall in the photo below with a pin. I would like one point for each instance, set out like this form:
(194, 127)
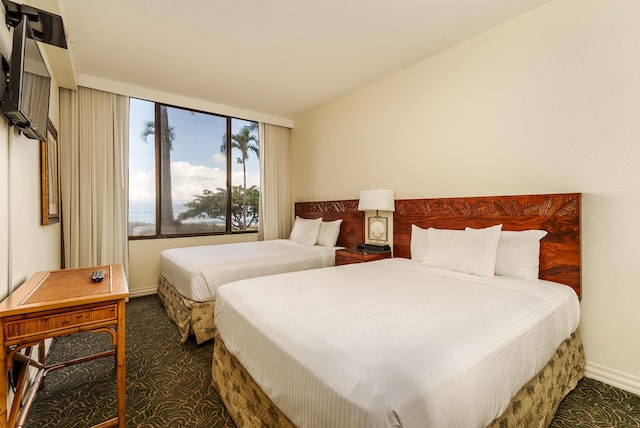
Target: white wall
(26, 246)
(548, 102)
(5, 43)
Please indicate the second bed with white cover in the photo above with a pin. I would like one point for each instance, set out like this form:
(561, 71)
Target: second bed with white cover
(196, 272)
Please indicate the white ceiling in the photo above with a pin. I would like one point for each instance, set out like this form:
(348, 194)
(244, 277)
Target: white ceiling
(280, 57)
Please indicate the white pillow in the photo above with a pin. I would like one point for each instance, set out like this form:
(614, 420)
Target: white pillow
(482, 249)
(519, 253)
(444, 249)
(418, 242)
(305, 231)
(471, 250)
(329, 231)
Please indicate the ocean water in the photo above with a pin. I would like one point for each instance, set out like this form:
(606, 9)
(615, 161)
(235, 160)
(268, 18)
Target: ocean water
(149, 217)
(142, 216)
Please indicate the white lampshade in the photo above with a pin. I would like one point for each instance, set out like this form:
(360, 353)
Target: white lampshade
(376, 199)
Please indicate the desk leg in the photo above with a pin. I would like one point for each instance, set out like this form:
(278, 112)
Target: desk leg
(42, 359)
(20, 387)
(3, 379)
(121, 366)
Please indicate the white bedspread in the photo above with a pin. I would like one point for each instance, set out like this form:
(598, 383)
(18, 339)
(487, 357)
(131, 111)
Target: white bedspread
(393, 343)
(196, 272)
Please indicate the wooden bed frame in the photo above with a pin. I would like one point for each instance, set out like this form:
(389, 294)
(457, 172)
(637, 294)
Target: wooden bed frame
(536, 403)
(558, 214)
(352, 227)
(196, 318)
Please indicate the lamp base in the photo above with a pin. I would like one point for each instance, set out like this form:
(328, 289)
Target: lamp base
(378, 229)
(375, 248)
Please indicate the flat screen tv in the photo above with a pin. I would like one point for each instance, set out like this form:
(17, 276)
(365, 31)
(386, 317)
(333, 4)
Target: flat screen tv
(25, 101)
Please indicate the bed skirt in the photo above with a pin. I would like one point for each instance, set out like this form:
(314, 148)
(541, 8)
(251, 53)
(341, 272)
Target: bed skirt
(534, 406)
(189, 316)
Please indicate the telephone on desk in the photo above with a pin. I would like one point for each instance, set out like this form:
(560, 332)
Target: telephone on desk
(373, 248)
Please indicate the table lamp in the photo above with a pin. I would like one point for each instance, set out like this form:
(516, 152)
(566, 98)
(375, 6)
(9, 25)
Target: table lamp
(378, 200)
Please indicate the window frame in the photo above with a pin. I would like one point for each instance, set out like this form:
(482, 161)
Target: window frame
(158, 178)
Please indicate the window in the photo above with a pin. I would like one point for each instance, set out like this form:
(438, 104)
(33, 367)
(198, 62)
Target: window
(180, 178)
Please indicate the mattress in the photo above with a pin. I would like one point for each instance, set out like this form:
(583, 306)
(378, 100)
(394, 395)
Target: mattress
(393, 342)
(196, 272)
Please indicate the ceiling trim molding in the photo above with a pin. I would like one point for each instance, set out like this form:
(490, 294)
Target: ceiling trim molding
(127, 89)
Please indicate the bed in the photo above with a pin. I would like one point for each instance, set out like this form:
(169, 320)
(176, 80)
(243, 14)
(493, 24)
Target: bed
(352, 346)
(190, 276)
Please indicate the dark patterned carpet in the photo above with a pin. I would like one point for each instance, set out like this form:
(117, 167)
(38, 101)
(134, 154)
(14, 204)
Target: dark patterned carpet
(169, 384)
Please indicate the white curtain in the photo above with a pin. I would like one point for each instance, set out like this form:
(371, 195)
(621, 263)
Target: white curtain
(94, 162)
(275, 188)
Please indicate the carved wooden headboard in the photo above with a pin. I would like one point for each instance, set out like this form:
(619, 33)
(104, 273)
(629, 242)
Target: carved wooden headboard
(352, 226)
(558, 214)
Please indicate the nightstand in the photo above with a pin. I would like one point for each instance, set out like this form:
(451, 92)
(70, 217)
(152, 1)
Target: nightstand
(351, 255)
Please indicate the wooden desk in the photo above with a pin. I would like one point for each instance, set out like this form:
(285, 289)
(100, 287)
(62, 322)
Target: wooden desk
(58, 303)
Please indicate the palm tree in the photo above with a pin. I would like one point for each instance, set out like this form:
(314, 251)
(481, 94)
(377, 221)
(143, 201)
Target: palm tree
(245, 142)
(167, 222)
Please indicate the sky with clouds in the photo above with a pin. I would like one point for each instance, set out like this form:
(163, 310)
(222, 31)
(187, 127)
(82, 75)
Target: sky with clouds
(196, 161)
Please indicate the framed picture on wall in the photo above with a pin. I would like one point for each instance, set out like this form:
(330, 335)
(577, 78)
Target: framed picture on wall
(50, 177)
